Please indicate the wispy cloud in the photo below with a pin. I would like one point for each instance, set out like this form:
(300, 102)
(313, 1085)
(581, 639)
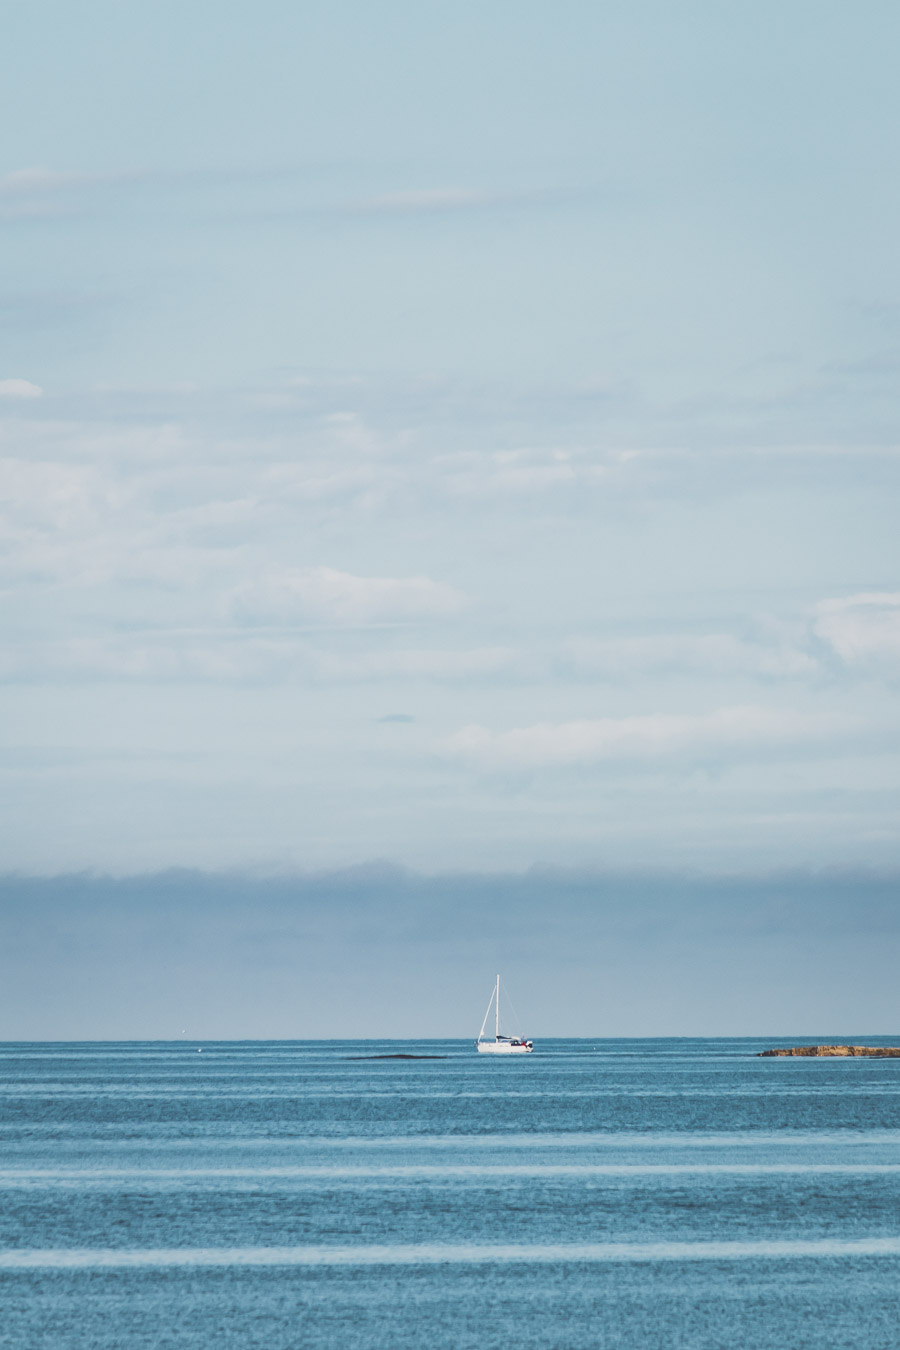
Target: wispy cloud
(447, 200)
(229, 657)
(325, 595)
(713, 654)
(643, 738)
(424, 664)
(864, 629)
(17, 388)
(22, 182)
(414, 200)
(37, 193)
(517, 473)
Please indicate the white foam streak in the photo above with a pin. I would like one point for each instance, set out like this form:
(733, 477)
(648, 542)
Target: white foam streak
(410, 1254)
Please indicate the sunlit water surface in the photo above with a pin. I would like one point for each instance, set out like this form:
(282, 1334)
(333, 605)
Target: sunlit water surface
(632, 1194)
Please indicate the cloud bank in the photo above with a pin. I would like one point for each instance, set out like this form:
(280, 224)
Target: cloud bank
(588, 953)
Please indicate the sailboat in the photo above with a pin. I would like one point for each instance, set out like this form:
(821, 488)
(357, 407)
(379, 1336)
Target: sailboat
(500, 1045)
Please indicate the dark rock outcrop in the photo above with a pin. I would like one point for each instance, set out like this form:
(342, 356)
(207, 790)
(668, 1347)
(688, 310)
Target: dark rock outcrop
(871, 1051)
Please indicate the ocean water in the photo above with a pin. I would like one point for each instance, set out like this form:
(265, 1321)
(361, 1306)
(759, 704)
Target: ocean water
(632, 1194)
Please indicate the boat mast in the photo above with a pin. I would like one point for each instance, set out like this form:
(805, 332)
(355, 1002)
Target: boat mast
(497, 1021)
(486, 1015)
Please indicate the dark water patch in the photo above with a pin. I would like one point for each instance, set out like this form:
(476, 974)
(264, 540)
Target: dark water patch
(397, 1056)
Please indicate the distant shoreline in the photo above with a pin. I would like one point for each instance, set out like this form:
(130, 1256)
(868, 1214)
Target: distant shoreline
(838, 1051)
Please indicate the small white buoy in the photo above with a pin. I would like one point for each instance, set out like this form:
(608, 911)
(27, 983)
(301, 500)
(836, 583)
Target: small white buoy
(200, 1050)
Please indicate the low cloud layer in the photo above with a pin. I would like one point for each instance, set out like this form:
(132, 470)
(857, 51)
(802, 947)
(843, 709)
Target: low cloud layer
(587, 952)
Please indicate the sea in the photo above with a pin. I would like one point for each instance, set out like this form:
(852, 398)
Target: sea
(680, 1194)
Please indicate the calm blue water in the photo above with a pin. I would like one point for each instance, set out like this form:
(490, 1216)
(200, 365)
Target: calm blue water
(632, 1194)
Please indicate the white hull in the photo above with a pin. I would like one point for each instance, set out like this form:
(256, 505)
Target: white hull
(502, 1048)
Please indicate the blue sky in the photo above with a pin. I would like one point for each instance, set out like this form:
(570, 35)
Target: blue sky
(464, 436)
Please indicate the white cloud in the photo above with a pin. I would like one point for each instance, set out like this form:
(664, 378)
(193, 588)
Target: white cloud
(864, 629)
(350, 432)
(19, 389)
(132, 447)
(324, 595)
(230, 658)
(513, 472)
(52, 518)
(290, 480)
(150, 657)
(83, 524)
(412, 664)
(706, 654)
(643, 738)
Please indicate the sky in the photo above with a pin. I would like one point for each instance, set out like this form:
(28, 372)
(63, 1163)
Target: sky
(459, 441)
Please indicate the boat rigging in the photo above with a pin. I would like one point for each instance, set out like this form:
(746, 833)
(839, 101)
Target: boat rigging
(500, 1044)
